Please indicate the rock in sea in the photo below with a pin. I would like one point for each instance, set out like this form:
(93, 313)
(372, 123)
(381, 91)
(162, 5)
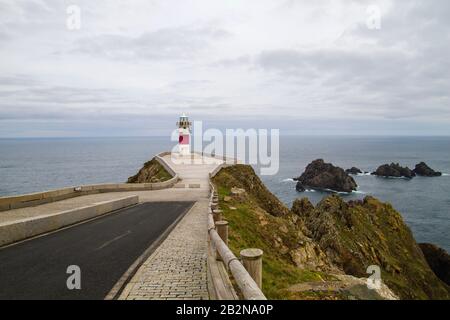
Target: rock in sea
(422, 169)
(325, 176)
(394, 170)
(353, 170)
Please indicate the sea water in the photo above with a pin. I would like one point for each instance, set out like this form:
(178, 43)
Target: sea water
(31, 165)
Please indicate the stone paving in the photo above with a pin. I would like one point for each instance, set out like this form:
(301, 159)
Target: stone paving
(194, 170)
(177, 269)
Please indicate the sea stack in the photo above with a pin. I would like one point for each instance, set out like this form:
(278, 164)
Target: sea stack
(422, 169)
(325, 176)
(354, 171)
(394, 170)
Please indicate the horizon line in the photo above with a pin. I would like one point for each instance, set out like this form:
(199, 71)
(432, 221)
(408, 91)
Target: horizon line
(281, 135)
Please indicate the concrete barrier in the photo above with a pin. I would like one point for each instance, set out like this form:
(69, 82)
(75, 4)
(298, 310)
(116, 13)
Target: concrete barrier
(35, 199)
(11, 232)
(164, 163)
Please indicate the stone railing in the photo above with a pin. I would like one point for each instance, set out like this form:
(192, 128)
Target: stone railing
(248, 278)
(34, 199)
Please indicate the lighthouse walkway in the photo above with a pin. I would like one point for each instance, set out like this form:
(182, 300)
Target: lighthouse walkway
(178, 268)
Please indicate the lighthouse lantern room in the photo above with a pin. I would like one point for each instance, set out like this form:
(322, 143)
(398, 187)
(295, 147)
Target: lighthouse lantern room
(184, 135)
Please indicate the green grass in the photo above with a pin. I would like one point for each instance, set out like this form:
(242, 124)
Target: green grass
(246, 231)
(152, 171)
(162, 174)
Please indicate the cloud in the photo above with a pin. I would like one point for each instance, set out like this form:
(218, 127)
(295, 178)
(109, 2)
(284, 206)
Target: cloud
(245, 60)
(165, 44)
(296, 65)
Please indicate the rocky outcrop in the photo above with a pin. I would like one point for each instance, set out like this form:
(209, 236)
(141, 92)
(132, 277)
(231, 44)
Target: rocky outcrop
(438, 259)
(422, 169)
(359, 234)
(394, 170)
(353, 170)
(302, 207)
(323, 251)
(151, 172)
(325, 176)
(244, 177)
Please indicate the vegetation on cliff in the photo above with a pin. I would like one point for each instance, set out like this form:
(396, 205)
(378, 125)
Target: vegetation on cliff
(358, 234)
(257, 219)
(244, 177)
(321, 252)
(151, 172)
(294, 266)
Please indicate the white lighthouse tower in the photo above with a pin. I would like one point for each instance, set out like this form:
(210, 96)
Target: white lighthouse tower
(184, 135)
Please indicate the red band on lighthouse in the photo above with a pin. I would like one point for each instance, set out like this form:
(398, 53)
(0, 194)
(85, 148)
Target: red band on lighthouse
(183, 139)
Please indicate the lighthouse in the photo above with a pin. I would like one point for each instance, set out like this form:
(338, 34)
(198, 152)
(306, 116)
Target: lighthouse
(184, 135)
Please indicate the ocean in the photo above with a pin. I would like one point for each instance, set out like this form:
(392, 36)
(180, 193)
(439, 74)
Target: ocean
(31, 165)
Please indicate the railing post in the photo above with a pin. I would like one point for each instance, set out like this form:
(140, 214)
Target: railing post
(217, 215)
(222, 230)
(252, 262)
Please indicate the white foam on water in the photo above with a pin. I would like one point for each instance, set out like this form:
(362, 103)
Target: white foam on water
(446, 174)
(334, 191)
(359, 192)
(364, 174)
(288, 180)
(401, 178)
(310, 190)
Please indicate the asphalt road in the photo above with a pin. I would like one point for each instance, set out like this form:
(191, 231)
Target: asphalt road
(103, 248)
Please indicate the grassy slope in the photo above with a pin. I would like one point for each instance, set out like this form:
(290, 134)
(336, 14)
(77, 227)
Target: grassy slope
(253, 227)
(152, 171)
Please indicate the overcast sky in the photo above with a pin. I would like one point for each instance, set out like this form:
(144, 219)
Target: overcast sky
(306, 67)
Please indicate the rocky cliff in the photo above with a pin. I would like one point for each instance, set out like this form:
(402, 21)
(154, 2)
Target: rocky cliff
(323, 251)
(438, 260)
(359, 234)
(244, 177)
